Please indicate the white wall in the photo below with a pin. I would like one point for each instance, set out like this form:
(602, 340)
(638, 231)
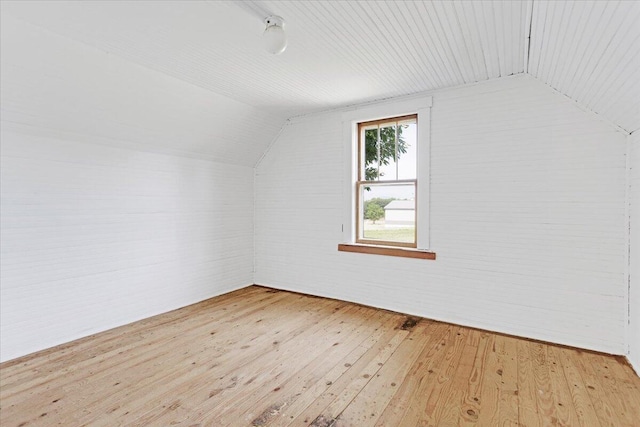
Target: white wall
(119, 195)
(527, 218)
(94, 236)
(634, 270)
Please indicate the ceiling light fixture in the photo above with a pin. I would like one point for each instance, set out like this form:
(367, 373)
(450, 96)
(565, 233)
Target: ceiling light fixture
(274, 37)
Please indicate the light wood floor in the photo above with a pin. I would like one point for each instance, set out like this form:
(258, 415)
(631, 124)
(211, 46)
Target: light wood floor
(268, 358)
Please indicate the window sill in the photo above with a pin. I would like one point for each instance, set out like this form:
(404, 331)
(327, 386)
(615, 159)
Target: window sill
(386, 250)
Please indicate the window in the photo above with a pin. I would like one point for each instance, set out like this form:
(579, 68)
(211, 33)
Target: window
(387, 149)
(386, 186)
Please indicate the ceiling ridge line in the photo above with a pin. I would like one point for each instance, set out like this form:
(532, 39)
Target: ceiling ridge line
(526, 65)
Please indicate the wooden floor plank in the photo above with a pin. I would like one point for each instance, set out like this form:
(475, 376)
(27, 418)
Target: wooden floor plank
(620, 388)
(429, 408)
(542, 382)
(599, 397)
(581, 401)
(100, 344)
(475, 392)
(214, 363)
(422, 405)
(529, 414)
(72, 374)
(117, 343)
(499, 399)
(442, 404)
(560, 391)
(261, 357)
(458, 406)
(364, 367)
(201, 338)
(267, 372)
(375, 391)
(415, 387)
(304, 385)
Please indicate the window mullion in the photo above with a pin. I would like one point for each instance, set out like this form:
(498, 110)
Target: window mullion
(396, 149)
(378, 150)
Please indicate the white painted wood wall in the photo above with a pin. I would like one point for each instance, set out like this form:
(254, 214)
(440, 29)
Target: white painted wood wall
(634, 265)
(527, 218)
(94, 237)
(113, 208)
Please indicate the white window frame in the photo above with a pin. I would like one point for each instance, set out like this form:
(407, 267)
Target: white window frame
(350, 119)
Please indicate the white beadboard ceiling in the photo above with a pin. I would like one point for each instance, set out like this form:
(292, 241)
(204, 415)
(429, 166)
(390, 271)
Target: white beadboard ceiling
(347, 52)
(590, 51)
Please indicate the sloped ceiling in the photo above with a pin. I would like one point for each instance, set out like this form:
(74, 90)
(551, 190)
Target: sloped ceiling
(590, 51)
(347, 52)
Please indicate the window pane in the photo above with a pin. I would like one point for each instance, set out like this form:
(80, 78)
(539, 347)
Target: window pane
(407, 149)
(388, 212)
(370, 155)
(388, 152)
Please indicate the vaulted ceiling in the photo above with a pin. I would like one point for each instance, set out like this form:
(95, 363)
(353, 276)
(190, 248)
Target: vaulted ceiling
(348, 52)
